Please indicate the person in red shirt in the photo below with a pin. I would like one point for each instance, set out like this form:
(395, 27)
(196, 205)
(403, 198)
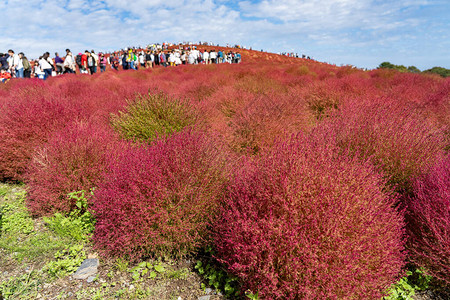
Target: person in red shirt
(84, 64)
(4, 76)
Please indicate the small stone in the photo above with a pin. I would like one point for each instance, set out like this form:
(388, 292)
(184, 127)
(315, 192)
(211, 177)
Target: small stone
(88, 268)
(204, 298)
(70, 294)
(131, 287)
(179, 298)
(90, 279)
(208, 291)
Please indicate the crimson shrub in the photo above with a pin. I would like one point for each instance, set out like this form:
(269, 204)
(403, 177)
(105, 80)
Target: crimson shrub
(397, 138)
(26, 123)
(74, 159)
(306, 223)
(429, 221)
(160, 199)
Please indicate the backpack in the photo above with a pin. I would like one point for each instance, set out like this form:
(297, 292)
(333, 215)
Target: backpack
(78, 59)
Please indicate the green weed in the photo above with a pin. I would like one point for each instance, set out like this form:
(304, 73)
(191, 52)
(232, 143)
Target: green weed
(218, 279)
(78, 224)
(21, 287)
(18, 234)
(67, 261)
(407, 286)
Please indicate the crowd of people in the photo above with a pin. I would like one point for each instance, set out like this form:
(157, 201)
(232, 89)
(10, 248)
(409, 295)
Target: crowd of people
(18, 66)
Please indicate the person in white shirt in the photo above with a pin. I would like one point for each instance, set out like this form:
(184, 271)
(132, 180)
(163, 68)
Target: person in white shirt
(94, 67)
(38, 71)
(142, 59)
(45, 65)
(192, 58)
(15, 63)
(69, 62)
(213, 56)
(206, 57)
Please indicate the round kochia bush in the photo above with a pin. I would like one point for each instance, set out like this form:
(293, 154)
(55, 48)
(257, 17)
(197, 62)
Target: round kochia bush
(152, 115)
(74, 159)
(429, 221)
(304, 223)
(26, 122)
(160, 199)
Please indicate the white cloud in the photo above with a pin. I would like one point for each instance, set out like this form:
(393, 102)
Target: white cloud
(306, 25)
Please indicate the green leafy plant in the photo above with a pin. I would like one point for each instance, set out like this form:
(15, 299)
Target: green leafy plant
(14, 217)
(147, 270)
(406, 287)
(67, 261)
(218, 279)
(251, 296)
(79, 223)
(121, 264)
(19, 287)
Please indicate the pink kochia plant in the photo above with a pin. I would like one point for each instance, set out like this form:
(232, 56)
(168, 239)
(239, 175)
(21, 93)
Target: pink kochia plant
(25, 124)
(306, 223)
(429, 221)
(74, 159)
(160, 199)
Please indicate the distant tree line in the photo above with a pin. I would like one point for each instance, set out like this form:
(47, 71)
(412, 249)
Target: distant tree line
(412, 69)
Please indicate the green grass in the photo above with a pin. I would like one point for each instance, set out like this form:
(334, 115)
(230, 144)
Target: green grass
(19, 236)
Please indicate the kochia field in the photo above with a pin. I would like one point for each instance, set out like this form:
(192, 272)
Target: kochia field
(309, 181)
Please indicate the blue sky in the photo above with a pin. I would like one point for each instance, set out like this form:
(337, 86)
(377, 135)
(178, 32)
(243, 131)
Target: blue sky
(363, 33)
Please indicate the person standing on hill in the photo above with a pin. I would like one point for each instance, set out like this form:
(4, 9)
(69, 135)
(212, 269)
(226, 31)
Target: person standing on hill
(95, 57)
(114, 61)
(50, 61)
(237, 57)
(102, 62)
(84, 64)
(45, 66)
(220, 57)
(38, 73)
(15, 64)
(125, 64)
(206, 57)
(213, 56)
(26, 65)
(69, 63)
(59, 63)
(148, 59)
(4, 76)
(4, 61)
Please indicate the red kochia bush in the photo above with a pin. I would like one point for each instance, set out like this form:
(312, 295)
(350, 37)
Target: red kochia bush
(160, 200)
(429, 221)
(304, 223)
(398, 140)
(73, 159)
(26, 123)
